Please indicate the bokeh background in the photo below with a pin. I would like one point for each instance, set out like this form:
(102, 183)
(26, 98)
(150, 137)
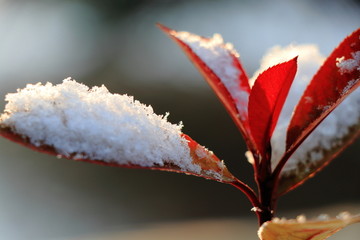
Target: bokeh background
(117, 44)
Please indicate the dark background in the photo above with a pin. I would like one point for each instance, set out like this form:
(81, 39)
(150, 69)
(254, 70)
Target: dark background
(117, 44)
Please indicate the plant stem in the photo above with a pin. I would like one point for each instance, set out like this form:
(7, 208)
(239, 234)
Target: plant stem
(267, 208)
(250, 194)
(265, 182)
(263, 208)
(264, 204)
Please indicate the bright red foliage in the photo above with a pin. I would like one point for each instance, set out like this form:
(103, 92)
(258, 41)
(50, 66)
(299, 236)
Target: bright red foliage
(329, 87)
(257, 122)
(327, 90)
(267, 98)
(239, 117)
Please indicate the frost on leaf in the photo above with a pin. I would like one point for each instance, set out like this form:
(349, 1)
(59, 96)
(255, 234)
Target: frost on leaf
(350, 65)
(72, 121)
(219, 63)
(327, 117)
(211, 166)
(300, 228)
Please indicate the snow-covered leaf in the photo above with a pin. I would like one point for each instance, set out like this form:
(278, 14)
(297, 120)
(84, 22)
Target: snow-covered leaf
(266, 100)
(72, 121)
(337, 78)
(300, 229)
(219, 63)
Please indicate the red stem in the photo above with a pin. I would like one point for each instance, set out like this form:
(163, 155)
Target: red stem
(263, 208)
(250, 194)
(265, 182)
(268, 202)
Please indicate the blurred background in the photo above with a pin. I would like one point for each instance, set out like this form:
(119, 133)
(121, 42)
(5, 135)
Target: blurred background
(117, 44)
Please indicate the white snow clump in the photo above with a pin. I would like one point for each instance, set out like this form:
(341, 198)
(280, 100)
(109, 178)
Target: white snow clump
(95, 124)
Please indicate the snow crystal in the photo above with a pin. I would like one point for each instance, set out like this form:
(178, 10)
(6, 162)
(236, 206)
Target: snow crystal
(349, 65)
(214, 174)
(256, 209)
(330, 132)
(344, 216)
(219, 57)
(349, 85)
(281, 220)
(323, 217)
(250, 157)
(201, 152)
(301, 219)
(95, 124)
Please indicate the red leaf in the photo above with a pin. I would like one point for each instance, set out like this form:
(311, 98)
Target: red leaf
(211, 167)
(220, 65)
(327, 90)
(266, 101)
(292, 178)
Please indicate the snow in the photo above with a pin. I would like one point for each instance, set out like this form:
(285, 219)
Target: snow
(323, 217)
(346, 217)
(80, 122)
(202, 152)
(301, 219)
(349, 65)
(219, 57)
(256, 209)
(349, 85)
(250, 157)
(329, 133)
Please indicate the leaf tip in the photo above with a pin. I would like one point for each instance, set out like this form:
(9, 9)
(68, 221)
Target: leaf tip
(164, 28)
